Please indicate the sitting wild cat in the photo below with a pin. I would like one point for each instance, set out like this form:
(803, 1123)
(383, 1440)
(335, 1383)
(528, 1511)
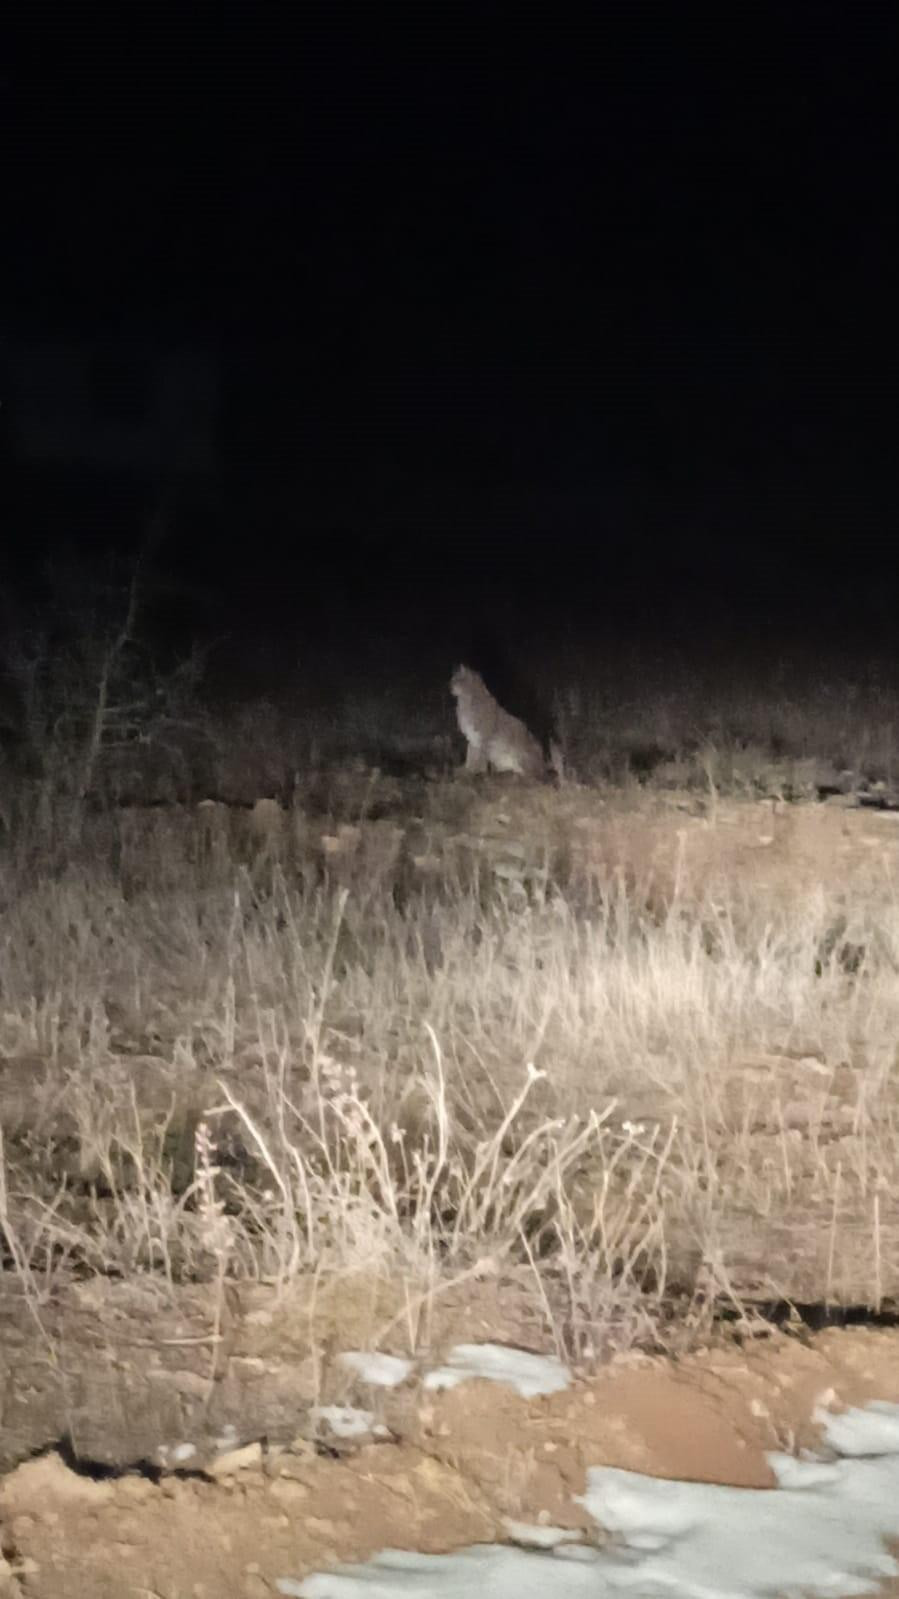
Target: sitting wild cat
(497, 742)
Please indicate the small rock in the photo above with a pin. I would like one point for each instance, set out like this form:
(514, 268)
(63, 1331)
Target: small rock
(248, 1458)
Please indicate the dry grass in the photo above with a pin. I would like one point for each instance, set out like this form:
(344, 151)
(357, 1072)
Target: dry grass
(644, 1055)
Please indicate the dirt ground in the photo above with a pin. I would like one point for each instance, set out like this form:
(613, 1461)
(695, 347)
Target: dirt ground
(163, 1443)
(219, 1481)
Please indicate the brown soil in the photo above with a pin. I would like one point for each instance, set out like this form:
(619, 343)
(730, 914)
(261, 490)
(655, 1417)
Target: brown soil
(135, 1376)
(126, 1378)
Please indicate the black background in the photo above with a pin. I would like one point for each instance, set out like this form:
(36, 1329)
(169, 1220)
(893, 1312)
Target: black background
(591, 319)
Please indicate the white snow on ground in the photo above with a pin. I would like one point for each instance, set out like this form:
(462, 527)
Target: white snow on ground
(485, 1569)
(539, 1537)
(821, 1531)
(382, 1371)
(175, 1454)
(345, 1421)
(872, 1431)
(529, 1374)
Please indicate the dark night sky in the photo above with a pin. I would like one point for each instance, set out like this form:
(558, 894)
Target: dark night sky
(623, 290)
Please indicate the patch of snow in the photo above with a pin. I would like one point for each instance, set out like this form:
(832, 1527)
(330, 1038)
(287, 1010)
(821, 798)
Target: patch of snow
(345, 1421)
(585, 1553)
(527, 1532)
(175, 1454)
(382, 1371)
(822, 1535)
(503, 1573)
(822, 1531)
(528, 1374)
(872, 1431)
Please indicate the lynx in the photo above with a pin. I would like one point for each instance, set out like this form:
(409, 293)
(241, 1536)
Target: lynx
(497, 741)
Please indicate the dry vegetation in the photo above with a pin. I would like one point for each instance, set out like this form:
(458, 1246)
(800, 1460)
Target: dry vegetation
(634, 1046)
(629, 1043)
